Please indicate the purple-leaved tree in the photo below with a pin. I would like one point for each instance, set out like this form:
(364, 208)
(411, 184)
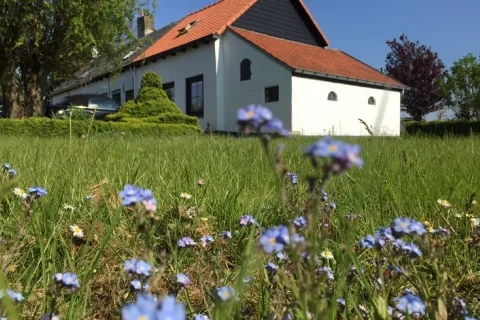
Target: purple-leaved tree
(418, 67)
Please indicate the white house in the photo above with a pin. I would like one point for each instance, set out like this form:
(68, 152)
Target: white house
(239, 52)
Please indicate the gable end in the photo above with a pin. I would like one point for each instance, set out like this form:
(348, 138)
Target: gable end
(286, 19)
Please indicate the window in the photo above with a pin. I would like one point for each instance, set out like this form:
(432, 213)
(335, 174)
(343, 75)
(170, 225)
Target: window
(104, 94)
(271, 94)
(117, 96)
(245, 72)
(371, 101)
(332, 96)
(102, 103)
(169, 88)
(129, 95)
(195, 96)
(188, 27)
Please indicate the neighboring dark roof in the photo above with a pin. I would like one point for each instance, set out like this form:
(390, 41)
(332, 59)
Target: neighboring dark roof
(96, 69)
(317, 61)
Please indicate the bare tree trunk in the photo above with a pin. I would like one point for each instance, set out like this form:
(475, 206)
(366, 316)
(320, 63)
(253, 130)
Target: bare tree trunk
(34, 83)
(11, 92)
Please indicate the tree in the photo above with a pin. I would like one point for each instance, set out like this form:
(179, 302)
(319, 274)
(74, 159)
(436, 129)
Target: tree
(418, 67)
(45, 38)
(461, 88)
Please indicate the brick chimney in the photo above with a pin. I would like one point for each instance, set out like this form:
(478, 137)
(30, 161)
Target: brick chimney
(144, 25)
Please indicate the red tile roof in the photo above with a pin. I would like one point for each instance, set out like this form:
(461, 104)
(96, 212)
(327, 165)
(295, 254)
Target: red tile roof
(306, 57)
(214, 19)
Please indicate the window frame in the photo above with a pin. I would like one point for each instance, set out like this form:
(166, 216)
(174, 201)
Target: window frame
(372, 101)
(335, 96)
(106, 99)
(277, 87)
(128, 92)
(119, 93)
(245, 70)
(188, 92)
(168, 86)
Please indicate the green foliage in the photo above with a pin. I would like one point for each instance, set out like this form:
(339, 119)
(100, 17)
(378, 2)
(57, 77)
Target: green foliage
(461, 87)
(44, 127)
(152, 105)
(442, 128)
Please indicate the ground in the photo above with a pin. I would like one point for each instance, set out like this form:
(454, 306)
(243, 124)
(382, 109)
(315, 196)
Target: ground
(401, 177)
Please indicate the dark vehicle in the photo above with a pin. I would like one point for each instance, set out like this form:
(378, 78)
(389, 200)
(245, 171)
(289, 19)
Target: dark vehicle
(98, 106)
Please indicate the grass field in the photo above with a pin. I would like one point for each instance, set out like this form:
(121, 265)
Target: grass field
(401, 177)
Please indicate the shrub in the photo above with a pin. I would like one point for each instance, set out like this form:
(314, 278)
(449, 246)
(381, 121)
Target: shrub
(44, 127)
(442, 128)
(167, 118)
(151, 101)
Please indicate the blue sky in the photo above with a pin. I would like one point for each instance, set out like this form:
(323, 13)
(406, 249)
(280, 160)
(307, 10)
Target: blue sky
(361, 27)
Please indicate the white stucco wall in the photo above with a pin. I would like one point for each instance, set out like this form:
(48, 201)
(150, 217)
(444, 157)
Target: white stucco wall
(313, 114)
(266, 72)
(178, 68)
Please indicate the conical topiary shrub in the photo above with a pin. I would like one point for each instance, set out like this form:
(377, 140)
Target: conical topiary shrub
(152, 105)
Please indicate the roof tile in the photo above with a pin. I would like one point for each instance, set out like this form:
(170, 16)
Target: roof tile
(312, 58)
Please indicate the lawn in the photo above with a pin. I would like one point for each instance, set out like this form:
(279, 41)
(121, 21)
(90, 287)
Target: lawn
(402, 177)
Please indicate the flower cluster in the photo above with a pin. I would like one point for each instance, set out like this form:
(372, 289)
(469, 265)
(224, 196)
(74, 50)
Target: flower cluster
(410, 304)
(399, 228)
(186, 242)
(147, 307)
(257, 117)
(12, 173)
(343, 155)
(140, 270)
(131, 195)
(67, 280)
(37, 192)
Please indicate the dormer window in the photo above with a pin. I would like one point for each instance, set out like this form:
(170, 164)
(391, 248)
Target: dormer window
(188, 27)
(371, 101)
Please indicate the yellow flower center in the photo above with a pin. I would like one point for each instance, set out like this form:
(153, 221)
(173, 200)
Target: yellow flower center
(272, 241)
(250, 114)
(332, 148)
(142, 317)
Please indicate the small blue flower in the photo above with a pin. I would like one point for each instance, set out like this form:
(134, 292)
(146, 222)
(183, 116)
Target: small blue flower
(37, 192)
(396, 269)
(253, 116)
(368, 242)
(276, 125)
(206, 240)
(6, 166)
(142, 268)
(274, 239)
(47, 316)
(326, 272)
(136, 285)
(271, 268)
(293, 178)
(410, 304)
(200, 317)
(324, 195)
(409, 249)
(298, 239)
(68, 280)
(183, 280)
(247, 279)
(225, 293)
(89, 197)
(281, 256)
(170, 309)
(145, 307)
(226, 235)
(131, 195)
(247, 220)
(300, 222)
(325, 148)
(342, 303)
(332, 205)
(130, 266)
(13, 295)
(12, 173)
(186, 242)
(402, 226)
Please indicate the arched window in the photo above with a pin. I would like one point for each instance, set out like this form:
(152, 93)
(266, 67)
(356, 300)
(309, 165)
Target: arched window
(332, 96)
(245, 72)
(371, 101)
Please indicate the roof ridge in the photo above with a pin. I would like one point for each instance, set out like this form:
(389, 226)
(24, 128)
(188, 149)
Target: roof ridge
(283, 39)
(201, 9)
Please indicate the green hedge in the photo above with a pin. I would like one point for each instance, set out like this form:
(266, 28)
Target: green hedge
(45, 127)
(442, 128)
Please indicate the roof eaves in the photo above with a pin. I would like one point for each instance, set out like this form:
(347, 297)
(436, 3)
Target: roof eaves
(347, 79)
(369, 66)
